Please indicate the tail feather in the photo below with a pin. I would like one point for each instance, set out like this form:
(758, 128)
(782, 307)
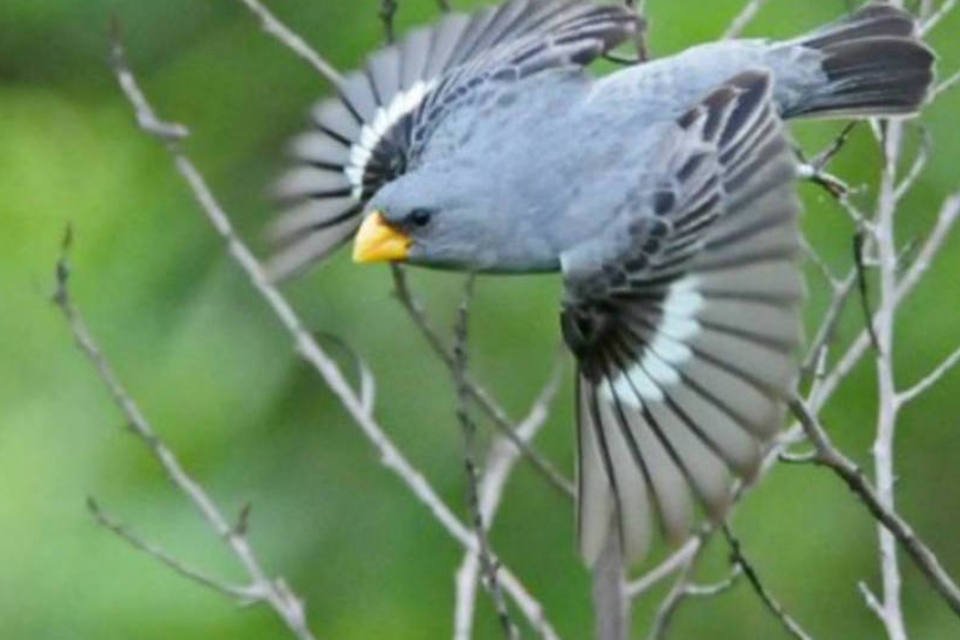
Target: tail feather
(875, 65)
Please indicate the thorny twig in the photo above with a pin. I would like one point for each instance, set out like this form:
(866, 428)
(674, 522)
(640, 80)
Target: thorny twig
(261, 588)
(309, 349)
(469, 428)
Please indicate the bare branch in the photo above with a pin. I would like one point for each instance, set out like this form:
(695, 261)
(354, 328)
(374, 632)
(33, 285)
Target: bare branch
(469, 429)
(683, 563)
(817, 260)
(923, 557)
(309, 350)
(863, 287)
(501, 460)
(947, 84)
(715, 589)
(478, 393)
(244, 595)
(668, 607)
(788, 622)
(930, 380)
(288, 607)
(916, 169)
(276, 29)
(873, 603)
(938, 16)
(146, 120)
(815, 170)
(946, 219)
(830, 321)
(677, 561)
(743, 19)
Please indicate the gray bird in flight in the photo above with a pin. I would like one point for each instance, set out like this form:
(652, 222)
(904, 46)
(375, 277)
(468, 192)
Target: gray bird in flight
(664, 194)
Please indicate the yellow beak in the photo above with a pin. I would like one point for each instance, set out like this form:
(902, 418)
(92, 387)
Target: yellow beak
(377, 241)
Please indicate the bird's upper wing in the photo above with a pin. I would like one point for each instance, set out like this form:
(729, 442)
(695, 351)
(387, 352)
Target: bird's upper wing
(385, 113)
(686, 333)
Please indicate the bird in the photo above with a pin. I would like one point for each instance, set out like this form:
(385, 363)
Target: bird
(663, 194)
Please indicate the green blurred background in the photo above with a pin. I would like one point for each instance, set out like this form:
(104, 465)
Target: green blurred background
(218, 378)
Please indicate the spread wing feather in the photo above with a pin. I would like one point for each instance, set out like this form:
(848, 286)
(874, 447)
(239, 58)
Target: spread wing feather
(686, 334)
(384, 114)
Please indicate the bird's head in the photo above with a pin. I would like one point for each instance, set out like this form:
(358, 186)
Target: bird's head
(431, 219)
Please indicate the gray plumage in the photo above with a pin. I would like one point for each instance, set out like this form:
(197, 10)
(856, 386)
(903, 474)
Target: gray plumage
(664, 193)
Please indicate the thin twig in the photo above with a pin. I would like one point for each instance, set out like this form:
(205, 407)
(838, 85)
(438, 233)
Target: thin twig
(501, 460)
(261, 588)
(736, 554)
(946, 220)
(677, 560)
(743, 19)
(923, 557)
(241, 594)
(678, 593)
(938, 16)
(919, 164)
(275, 28)
(683, 563)
(818, 261)
(479, 394)
(830, 321)
(873, 603)
(929, 380)
(309, 350)
(815, 169)
(715, 589)
(863, 287)
(469, 429)
(946, 85)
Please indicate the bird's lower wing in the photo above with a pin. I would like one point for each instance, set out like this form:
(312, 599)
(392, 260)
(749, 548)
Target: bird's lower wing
(686, 335)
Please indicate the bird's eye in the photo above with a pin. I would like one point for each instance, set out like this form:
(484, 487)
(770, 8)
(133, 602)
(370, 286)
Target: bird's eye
(420, 217)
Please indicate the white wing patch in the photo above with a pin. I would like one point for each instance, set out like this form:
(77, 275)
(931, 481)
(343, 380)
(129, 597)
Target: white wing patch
(666, 352)
(371, 133)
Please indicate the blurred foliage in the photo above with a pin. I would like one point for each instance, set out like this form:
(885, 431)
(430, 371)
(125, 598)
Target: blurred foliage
(219, 379)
